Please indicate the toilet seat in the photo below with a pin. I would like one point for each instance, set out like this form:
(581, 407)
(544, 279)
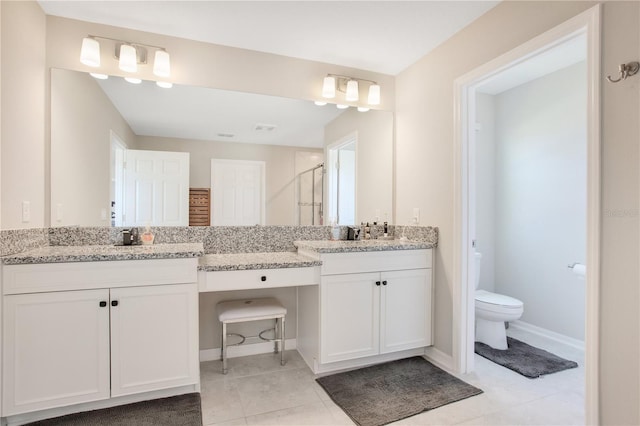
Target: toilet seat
(488, 300)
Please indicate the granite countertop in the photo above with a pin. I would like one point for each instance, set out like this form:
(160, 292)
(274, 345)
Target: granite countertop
(62, 254)
(346, 246)
(243, 261)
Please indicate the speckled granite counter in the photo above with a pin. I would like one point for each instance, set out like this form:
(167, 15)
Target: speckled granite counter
(344, 246)
(244, 261)
(62, 254)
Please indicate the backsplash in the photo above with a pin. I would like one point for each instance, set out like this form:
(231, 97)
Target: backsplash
(18, 240)
(229, 239)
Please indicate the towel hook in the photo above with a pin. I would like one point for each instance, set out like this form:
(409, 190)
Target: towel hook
(626, 70)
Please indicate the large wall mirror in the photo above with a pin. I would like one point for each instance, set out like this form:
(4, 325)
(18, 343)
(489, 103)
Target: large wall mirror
(107, 134)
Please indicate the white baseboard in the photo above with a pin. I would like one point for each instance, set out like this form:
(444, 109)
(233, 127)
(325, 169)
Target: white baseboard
(244, 350)
(548, 334)
(439, 358)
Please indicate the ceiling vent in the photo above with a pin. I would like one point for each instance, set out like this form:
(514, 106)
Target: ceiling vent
(265, 127)
(226, 135)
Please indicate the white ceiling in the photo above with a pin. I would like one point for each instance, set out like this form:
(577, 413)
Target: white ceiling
(380, 36)
(188, 112)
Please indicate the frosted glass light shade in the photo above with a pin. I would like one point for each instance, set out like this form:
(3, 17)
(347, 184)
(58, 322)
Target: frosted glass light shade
(162, 64)
(133, 80)
(329, 87)
(99, 76)
(374, 95)
(352, 91)
(164, 84)
(90, 52)
(128, 60)
(342, 106)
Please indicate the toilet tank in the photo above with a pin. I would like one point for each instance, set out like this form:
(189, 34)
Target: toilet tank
(478, 257)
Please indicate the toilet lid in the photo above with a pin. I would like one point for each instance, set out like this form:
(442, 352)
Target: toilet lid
(497, 299)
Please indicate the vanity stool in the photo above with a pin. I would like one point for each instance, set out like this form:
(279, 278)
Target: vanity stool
(235, 311)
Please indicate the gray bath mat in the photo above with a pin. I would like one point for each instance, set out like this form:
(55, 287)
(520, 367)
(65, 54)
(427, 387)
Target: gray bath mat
(181, 410)
(388, 392)
(525, 359)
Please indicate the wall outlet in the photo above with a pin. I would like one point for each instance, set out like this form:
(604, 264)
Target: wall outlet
(26, 211)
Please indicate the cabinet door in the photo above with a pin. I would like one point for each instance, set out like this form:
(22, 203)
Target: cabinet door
(55, 349)
(154, 338)
(405, 310)
(350, 307)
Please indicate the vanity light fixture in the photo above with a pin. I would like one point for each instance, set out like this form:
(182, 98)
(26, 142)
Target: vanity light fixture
(133, 80)
(129, 56)
(90, 52)
(164, 84)
(320, 103)
(342, 106)
(128, 61)
(350, 86)
(363, 109)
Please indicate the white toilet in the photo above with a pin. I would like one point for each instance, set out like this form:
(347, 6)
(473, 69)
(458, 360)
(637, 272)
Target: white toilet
(492, 311)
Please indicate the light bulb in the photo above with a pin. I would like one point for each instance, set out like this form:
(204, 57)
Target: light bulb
(90, 52)
(128, 59)
(329, 87)
(162, 64)
(374, 95)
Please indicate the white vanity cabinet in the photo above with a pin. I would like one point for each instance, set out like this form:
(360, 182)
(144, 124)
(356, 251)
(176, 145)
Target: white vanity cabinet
(372, 306)
(98, 333)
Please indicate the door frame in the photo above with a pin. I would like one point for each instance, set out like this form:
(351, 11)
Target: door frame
(589, 24)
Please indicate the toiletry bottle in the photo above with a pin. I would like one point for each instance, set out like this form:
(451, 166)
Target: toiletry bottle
(386, 230)
(335, 230)
(367, 232)
(147, 237)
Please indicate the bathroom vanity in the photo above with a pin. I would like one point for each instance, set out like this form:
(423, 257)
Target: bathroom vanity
(88, 327)
(98, 324)
(373, 304)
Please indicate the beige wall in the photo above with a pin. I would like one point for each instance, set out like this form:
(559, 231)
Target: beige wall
(279, 165)
(82, 118)
(23, 114)
(424, 141)
(374, 160)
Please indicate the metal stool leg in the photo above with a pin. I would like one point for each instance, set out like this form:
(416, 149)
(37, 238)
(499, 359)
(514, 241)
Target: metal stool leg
(224, 348)
(282, 341)
(275, 337)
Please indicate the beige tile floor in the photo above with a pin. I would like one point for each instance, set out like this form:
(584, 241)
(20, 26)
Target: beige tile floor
(257, 390)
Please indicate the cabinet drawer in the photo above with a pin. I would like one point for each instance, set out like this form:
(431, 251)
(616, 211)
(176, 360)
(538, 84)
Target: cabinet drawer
(258, 278)
(358, 262)
(19, 279)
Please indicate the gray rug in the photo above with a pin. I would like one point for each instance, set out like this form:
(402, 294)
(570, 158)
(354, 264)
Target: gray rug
(181, 410)
(525, 359)
(388, 392)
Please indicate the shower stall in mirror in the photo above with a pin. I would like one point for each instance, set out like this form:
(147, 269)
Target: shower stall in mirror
(310, 195)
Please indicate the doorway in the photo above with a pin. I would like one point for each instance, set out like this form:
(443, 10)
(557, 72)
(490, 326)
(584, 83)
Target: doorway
(341, 180)
(585, 25)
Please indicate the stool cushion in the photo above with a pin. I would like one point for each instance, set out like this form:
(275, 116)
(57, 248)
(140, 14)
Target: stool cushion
(235, 310)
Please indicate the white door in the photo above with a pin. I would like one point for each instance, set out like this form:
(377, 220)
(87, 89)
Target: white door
(154, 338)
(238, 192)
(55, 350)
(350, 306)
(156, 188)
(341, 180)
(405, 310)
